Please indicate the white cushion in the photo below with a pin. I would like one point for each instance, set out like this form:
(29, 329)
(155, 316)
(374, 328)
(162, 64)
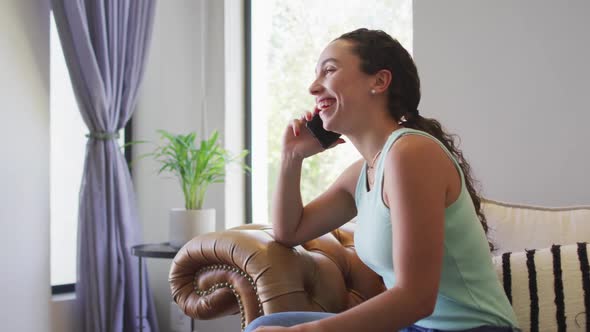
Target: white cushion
(516, 277)
(519, 227)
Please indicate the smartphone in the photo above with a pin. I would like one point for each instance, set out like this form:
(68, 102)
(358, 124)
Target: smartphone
(324, 137)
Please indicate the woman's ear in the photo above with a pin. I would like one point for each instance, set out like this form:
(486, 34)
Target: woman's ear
(382, 81)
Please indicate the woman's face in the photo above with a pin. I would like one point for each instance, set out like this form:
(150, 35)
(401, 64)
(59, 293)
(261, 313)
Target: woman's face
(341, 89)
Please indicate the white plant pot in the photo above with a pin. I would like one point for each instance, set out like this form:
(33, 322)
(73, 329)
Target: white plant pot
(186, 224)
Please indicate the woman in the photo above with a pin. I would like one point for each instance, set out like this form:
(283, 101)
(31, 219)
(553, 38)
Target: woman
(420, 224)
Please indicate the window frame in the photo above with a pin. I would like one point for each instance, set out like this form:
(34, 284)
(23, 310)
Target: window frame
(248, 102)
(404, 36)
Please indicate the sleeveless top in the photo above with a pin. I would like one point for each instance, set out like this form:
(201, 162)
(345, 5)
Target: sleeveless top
(470, 293)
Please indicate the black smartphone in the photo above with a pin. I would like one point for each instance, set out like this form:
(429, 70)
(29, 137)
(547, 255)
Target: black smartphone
(324, 137)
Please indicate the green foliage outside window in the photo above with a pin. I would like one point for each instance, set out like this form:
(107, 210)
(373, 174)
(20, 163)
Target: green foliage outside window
(300, 31)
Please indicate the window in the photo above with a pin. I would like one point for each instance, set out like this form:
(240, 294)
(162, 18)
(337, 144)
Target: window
(67, 150)
(286, 37)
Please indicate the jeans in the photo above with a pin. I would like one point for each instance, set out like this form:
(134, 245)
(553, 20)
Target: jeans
(291, 318)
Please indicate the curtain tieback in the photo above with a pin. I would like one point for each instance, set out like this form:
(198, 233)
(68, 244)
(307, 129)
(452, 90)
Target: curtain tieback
(103, 135)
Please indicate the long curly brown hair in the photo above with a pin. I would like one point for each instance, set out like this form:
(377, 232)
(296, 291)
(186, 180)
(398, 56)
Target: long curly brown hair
(378, 50)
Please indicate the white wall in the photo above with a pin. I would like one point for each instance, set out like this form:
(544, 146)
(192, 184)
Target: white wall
(171, 99)
(512, 79)
(24, 151)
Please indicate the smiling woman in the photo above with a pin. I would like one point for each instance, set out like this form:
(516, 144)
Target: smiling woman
(420, 225)
(286, 37)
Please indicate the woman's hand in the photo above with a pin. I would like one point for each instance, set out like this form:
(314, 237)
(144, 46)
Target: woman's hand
(298, 141)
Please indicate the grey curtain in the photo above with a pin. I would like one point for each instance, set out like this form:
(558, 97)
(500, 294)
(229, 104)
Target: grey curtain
(105, 43)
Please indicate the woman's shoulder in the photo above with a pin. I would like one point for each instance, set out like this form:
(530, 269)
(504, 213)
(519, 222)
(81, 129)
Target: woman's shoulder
(415, 142)
(419, 154)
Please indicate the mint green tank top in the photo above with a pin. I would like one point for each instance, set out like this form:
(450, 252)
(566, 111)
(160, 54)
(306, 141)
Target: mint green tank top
(470, 293)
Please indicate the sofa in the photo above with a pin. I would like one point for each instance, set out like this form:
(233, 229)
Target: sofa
(540, 258)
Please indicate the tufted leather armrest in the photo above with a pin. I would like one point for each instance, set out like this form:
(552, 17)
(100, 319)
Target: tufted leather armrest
(243, 270)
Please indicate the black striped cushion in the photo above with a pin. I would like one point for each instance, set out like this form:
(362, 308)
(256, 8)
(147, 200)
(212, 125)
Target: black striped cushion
(549, 288)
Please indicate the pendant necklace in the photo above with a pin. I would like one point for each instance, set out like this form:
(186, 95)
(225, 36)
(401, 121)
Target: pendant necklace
(371, 170)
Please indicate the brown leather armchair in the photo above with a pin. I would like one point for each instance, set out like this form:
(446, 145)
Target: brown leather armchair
(244, 271)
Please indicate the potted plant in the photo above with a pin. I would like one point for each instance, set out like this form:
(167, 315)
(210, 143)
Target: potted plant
(195, 167)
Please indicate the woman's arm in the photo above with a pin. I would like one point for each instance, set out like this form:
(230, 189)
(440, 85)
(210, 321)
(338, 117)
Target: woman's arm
(292, 223)
(417, 175)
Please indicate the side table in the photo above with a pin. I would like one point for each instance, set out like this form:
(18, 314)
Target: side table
(151, 250)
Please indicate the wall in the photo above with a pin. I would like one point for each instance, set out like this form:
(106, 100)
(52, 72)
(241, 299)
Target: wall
(512, 79)
(170, 99)
(24, 147)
